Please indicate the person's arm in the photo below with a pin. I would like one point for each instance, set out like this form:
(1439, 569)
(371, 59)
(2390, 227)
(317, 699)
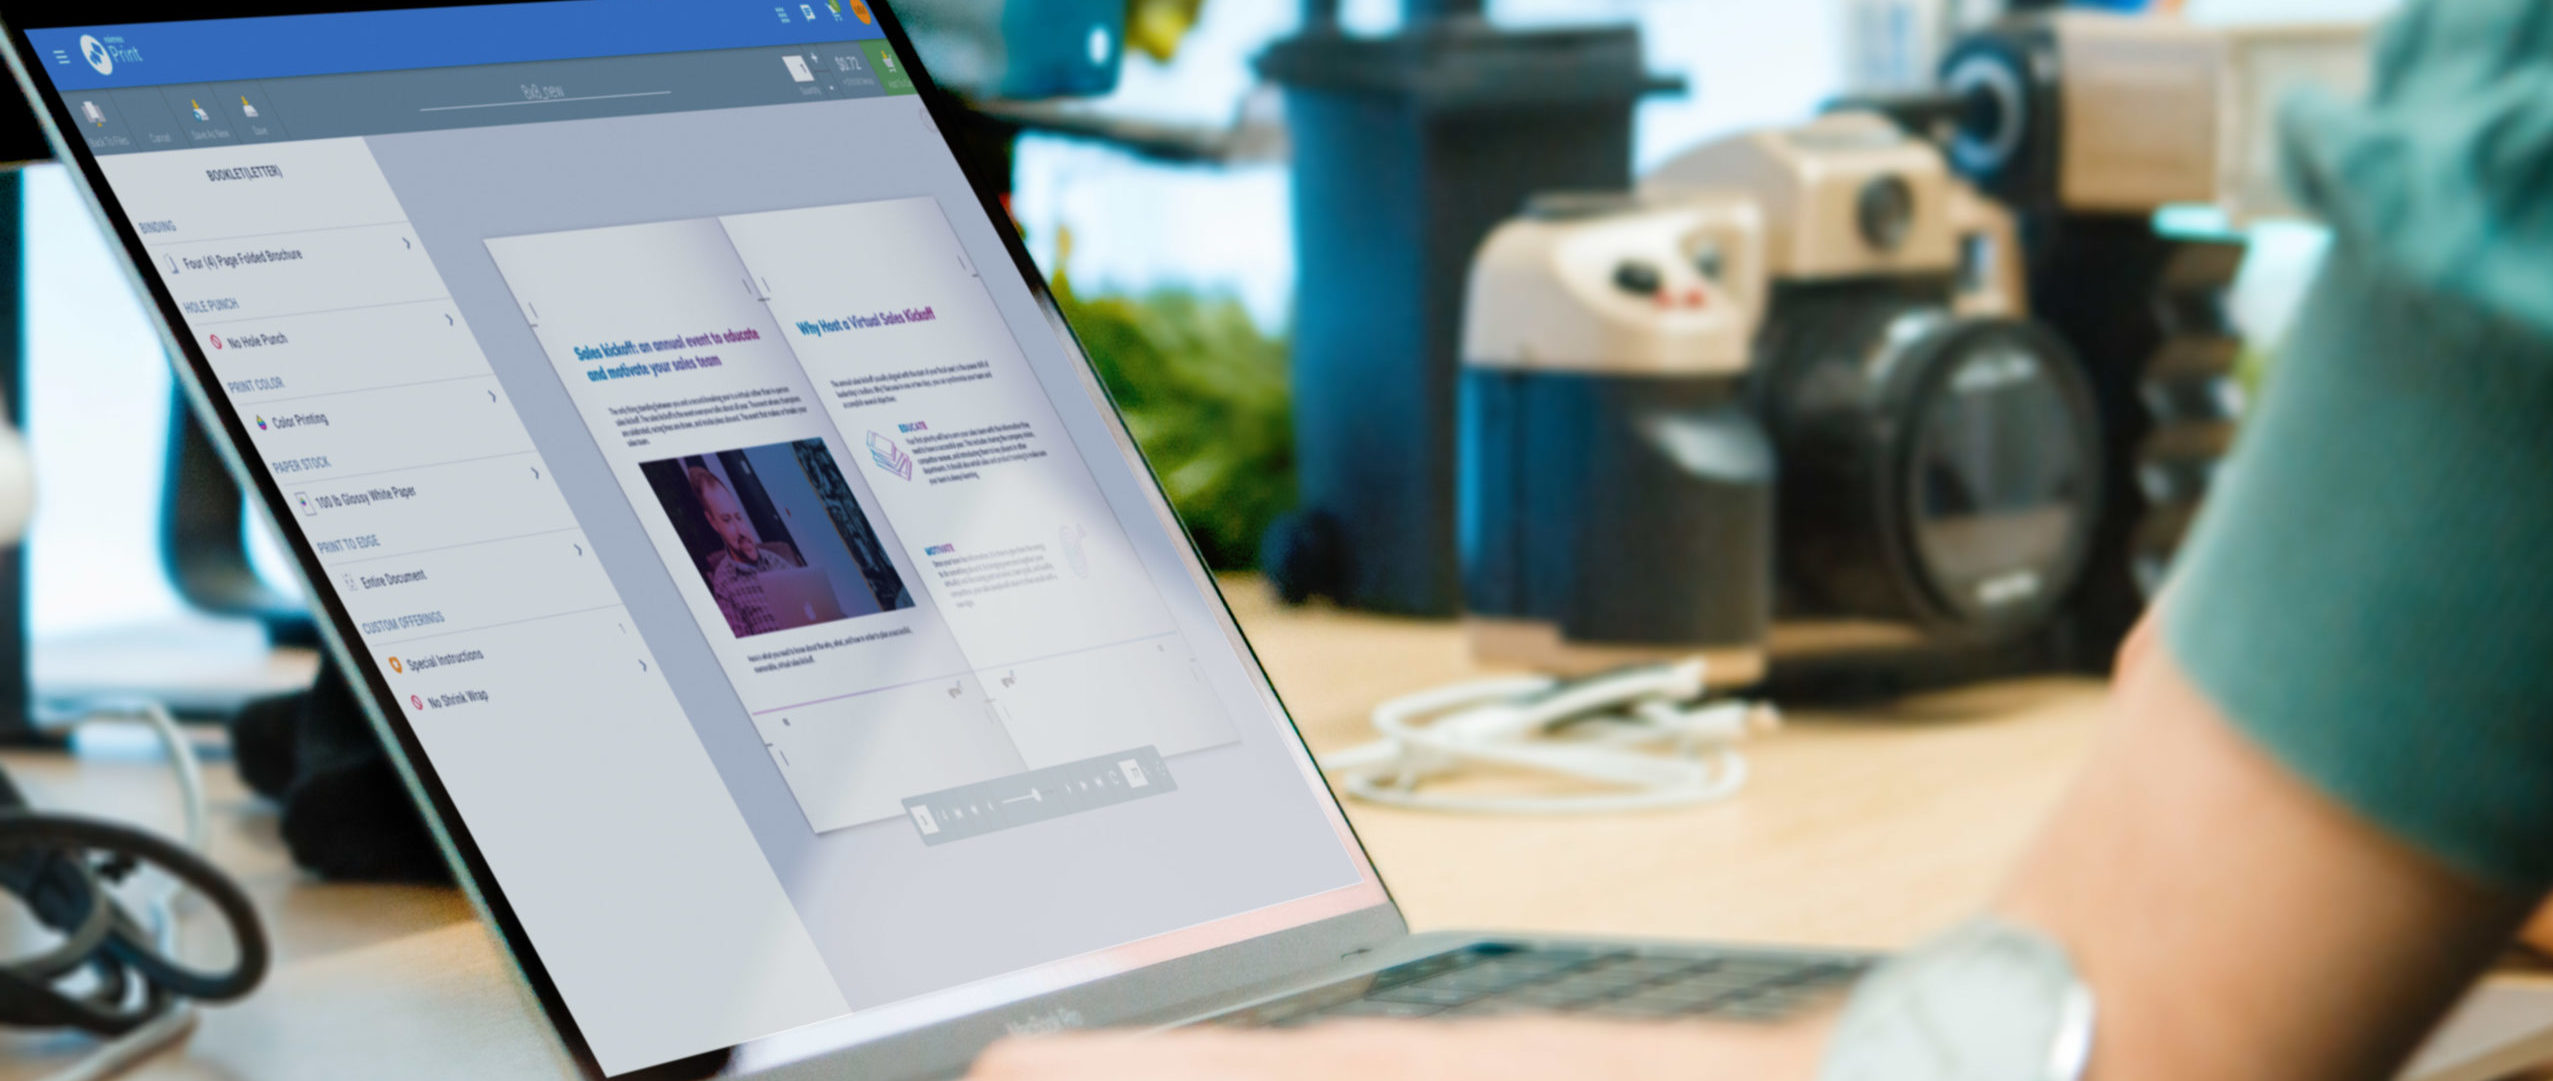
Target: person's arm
(2339, 804)
(2233, 921)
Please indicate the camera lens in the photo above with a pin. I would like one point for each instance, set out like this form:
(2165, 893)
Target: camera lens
(1998, 484)
(1994, 118)
(1886, 212)
(1938, 470)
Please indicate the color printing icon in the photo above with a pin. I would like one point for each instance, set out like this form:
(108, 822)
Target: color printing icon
(890, 457)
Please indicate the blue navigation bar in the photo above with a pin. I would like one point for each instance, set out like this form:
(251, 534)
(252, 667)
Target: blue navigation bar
(281, 46)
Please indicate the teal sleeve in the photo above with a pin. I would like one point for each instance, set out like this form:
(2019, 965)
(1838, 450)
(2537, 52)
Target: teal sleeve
(2369, 595)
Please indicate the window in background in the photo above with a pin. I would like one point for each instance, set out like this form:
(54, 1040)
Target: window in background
(97, 389)
(103, 619)
(1137, 226)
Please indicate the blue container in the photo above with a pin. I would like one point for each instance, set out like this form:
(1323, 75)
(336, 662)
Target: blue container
(1408, 149)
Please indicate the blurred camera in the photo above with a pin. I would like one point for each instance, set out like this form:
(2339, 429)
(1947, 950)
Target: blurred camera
(1915, 393)
(1785, 401)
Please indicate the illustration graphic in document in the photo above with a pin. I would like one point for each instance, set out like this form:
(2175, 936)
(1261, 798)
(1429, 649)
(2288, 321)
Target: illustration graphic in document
(890, 457)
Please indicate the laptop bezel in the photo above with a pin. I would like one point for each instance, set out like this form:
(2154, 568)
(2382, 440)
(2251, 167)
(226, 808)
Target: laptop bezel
(1141, 994)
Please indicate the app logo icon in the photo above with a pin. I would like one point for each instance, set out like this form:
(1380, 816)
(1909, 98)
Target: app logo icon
(395, 666)
(890, 457)
(95, 51)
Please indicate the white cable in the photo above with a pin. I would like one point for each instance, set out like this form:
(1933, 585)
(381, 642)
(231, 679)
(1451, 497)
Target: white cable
(124, 1052)
(1642, 733)
(182, 758)
(127, 1051)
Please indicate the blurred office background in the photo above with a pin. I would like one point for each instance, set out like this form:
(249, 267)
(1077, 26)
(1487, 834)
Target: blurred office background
(1116, 224)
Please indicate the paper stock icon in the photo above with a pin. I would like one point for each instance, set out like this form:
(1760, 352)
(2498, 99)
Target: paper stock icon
(890, 457)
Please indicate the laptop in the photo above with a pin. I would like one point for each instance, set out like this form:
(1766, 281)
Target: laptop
(800, 595)
(453, 286)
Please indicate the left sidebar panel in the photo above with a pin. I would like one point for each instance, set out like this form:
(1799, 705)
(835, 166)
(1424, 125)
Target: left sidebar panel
(477, 595)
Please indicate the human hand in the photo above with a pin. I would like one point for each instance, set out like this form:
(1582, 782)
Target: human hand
(2538, 934)
(1498, 1049)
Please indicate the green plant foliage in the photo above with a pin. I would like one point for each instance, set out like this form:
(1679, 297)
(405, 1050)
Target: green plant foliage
(1206, 396)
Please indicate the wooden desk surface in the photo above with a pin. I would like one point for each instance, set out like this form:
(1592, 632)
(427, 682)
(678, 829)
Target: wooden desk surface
(1865, 830)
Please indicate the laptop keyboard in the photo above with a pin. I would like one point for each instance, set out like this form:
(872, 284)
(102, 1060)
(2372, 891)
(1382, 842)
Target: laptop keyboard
(1497, 978)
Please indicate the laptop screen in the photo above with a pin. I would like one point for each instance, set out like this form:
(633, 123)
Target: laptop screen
(754, 562)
